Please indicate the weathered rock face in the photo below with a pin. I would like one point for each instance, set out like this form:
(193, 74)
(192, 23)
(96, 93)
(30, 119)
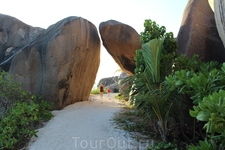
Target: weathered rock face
(124, 85)
(218, 6)
(14, 34)
(198, 33)
(114, 88)
(121, 41)
(60, 65)
(108, 81)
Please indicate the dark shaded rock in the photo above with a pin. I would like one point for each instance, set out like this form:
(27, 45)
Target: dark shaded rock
(14, 34)
(121, 41)
(198, 33)
(61, 64)
(124, 84)
(219, 13)
(114, 88)
(108, 81)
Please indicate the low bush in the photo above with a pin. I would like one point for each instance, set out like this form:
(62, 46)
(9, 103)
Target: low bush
(166, 86)
(21, 113)
(95, 91)
(19, 124)
(163, 146)
(206, 89)
(119, 96)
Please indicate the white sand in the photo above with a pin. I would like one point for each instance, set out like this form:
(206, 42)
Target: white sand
(85, 126)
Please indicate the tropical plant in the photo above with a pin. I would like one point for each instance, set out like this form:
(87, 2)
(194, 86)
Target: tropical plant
(157, 108)
(163, 146)
(198, 84)
(203, 82)
(19, 123)
(10, 91)
(206, 145)
(212, 111)
(168, 54)
(205, 85)
(147, 94)
(152, 30)
(21, 113)
(152, 54)
(119, 96)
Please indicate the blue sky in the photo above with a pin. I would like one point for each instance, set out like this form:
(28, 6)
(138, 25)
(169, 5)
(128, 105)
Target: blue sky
(43, 13)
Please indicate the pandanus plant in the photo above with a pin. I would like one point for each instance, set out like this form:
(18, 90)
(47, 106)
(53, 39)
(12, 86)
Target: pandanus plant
(149, 96)
(153, 63)
(152, 51)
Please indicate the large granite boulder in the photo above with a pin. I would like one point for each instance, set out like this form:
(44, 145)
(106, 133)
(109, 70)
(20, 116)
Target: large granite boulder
(198, 33)
(110, 82)
(14, 34)
(218, 6)
(114, 88)
(61, 64)
(121, 41)
(124, 85)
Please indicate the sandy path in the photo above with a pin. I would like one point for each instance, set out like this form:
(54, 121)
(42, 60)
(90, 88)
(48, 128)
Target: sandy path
(84, 125)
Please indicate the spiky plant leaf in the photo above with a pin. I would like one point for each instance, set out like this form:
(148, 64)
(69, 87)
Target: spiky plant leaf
(152, 54)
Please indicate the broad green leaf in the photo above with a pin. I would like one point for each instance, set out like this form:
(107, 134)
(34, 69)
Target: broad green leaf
(178, 82)
(203, 116)
(152, 54)
(223, 67)
(193, 113)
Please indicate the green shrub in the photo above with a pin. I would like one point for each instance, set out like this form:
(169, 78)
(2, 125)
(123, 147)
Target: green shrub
(212, 110)
(168, 54)
(206, 145)
(163, 146)
(198, 84)
(119, 96)
(21, 114)
(19, 124)
(95, 91)
(156, 100)
(205, 86)
(153, 62)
